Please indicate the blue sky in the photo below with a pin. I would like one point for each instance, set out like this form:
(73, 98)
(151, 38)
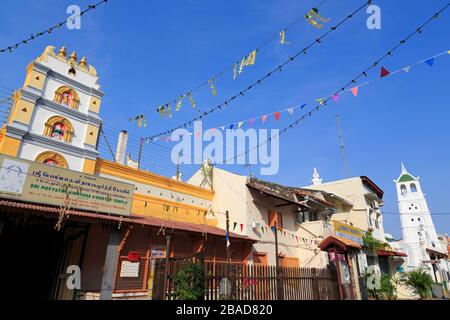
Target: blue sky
(149, 52)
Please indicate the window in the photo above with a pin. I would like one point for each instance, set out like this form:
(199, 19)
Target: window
(59, 128)
(67, 96)
(403, 190)
(52, 158)
(275, 217)
(413, 188)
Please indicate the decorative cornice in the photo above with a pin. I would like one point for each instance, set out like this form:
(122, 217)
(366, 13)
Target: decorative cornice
(69, 112)
(47, 142)
(16, 130)
(145, 177)
(70, 82)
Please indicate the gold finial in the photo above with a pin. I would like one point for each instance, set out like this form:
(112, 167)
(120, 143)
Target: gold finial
(73, 57)
(62, 53)
(83, 63)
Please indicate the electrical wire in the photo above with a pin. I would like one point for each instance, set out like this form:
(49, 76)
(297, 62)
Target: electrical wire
(262, 79)
(48, 30)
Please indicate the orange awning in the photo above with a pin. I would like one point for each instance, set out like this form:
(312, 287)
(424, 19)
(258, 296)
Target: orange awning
(389, 253)
(340, 242)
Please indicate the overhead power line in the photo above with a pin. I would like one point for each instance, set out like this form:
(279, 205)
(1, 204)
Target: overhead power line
(49, 30)
(262, 79)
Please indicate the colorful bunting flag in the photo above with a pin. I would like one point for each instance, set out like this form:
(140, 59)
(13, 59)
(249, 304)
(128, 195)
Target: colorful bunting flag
(290, 110)
(242, 227)
(406, 69)
(384, 72)
(179, 102)
(191, 100)
(234, 225)
(277, 115)
(235, 71)
(335, 97)
(240, 124)
(320, 101)
(430, 62)
(212, 85)
(264, 118)
(282, 36)
(251, 121)
(355, 91)
(303, 105)
(314, 18)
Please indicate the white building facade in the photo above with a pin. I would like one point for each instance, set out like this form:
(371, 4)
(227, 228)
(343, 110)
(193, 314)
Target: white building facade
(420, 240)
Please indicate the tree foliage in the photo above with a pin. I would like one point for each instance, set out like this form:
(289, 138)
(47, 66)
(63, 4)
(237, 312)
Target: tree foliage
(420, 282)
(190, 282)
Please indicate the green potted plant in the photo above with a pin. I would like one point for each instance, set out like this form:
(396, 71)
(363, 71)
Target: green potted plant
(388, 287)
(420, 282)
(189, 282)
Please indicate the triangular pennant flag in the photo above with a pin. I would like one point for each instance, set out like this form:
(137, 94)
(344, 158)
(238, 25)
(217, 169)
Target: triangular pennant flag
(251, 121)
(273, 229)
(320, 101)
(242, 226)
(222, 128)
(264, 118)
(277, 115)
(303, 105)
(384, 72)
(290, 110)
(282, 36)
(231, 126)
(262, 229)
(448, 51)
(240, 124)
(430, 62)
(355, 91)
(335, 97)
(168, 139)
(406, 69)
(234, 226)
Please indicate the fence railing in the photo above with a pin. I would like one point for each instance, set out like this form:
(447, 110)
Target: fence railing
(254, 282)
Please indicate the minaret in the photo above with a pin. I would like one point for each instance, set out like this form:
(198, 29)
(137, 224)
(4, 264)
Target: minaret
(418, 229)
(316, 180)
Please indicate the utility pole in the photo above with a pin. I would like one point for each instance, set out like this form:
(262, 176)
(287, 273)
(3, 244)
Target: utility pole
(341, 142)
(280, 290)
(166, 269)
(230, 271)
(141, 143)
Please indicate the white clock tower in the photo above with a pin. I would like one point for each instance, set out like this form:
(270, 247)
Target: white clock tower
(418, 229)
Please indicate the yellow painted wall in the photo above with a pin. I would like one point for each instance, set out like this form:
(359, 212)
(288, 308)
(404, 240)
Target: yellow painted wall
(21, 111)
(34, 78)
(9, 146)
(89, 166)
(94, 105)
(157, 207)
(91, 135)
(169, 210)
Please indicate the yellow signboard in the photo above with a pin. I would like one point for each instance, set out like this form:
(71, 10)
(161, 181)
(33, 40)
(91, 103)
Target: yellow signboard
(36, 182)
(349, 232)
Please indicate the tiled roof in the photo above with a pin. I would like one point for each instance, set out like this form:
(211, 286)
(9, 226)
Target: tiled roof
(343, 243)
(141, 220)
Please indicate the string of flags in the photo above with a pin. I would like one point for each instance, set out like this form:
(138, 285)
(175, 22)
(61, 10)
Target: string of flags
(384, 72)
(49, 30)
(301, 52)
(261, 230)
(237, 68)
